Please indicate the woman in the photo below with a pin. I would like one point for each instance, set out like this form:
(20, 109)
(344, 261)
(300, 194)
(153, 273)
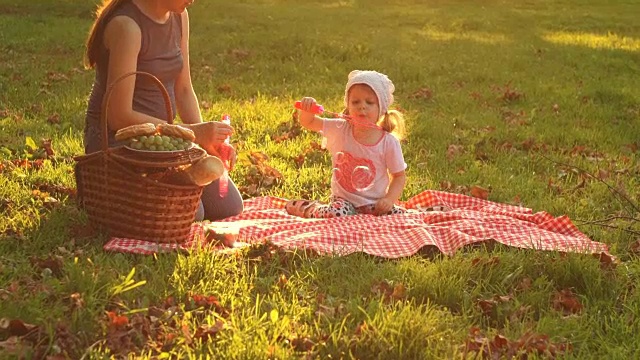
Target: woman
(151, 36)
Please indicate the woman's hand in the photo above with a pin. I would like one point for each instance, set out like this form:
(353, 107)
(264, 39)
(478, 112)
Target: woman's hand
(231, 157)
(383, 206)
(209, 135)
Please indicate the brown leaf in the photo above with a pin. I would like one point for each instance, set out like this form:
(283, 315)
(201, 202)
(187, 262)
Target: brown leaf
(299, 160)
(15, 327)
(56, 76)
(282, 281)
(258, 157)
(117, 321)
(224, 88)
(52, 262)
(508, 94)
(77, 302)
(567, 302)
(361, 328)
(240, 53)
(453, 150)
(525, 284)
(422, 93)
(555, 188)
(602, 174)
(399, 292)
(633, 147)
(607, 261)
(54, 118)
(206, 332)
(487, 306)
(270, 171)
(635, 248)
(382, 288)
(302, 344)
(528, 144)
(479, 192)
(446, 185)
(582, 184)
(46, 145)
(14, 346)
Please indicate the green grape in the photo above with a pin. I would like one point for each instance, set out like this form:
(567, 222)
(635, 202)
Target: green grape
(137, 145)
(142, 138)
(160, 148)
(165, 138)
(187, 144)
(158, 140)
(152, 147)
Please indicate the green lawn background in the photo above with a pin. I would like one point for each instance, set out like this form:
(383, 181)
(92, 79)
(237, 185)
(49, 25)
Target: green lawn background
(525, 98)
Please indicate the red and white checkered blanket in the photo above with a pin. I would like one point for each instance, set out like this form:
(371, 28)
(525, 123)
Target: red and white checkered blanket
(470, 220)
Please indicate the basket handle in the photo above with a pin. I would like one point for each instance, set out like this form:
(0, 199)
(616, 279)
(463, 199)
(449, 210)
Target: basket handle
(105, 103)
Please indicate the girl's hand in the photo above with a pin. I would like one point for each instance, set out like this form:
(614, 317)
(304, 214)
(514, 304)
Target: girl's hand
(209, 135)
(307, 104)
(383, 206)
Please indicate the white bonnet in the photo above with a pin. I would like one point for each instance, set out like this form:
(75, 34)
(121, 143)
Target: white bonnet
(380, 83)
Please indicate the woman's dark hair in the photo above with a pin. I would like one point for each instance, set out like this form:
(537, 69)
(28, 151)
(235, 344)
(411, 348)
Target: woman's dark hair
(94, 41)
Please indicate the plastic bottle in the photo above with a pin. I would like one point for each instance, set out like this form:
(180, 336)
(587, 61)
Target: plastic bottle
(316, 109)
(225, 155)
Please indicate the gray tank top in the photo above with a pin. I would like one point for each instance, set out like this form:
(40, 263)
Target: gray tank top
(160, 54)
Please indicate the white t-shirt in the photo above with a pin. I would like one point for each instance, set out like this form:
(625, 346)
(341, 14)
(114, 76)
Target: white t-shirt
(360, 172)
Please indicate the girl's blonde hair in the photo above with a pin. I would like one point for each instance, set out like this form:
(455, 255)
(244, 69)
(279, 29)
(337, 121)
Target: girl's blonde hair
(393, 123)
(94, 40)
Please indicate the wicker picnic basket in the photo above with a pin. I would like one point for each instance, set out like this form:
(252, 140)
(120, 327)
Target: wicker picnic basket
(121, 193)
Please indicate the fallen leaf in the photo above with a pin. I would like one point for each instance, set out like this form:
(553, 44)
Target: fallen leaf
(479, 192)
(635, 248)
(117, 321)
(224, 88)
(567, 302)
(422, 93)
(54, 118)
(15, 327)
(454, 150)
(446, 185)
(207, 332)
(302, 344)
(399, 292)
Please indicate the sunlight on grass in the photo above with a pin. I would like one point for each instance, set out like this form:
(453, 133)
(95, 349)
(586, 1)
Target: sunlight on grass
(479, 37)
(338, 4)
(515, 97)
(594, 41)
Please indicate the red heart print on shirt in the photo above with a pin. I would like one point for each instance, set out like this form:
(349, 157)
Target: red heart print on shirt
(353, 174)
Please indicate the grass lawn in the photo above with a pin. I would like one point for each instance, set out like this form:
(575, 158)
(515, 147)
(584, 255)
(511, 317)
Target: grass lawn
(536, 101)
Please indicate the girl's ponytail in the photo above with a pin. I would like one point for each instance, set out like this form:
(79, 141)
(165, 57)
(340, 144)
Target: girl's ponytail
(393, 122)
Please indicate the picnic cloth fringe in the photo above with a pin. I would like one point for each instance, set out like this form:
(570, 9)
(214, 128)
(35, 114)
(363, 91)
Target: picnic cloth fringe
(469, 221)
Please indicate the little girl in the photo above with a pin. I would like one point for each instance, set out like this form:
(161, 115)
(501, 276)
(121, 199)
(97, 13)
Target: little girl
(368, 166)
